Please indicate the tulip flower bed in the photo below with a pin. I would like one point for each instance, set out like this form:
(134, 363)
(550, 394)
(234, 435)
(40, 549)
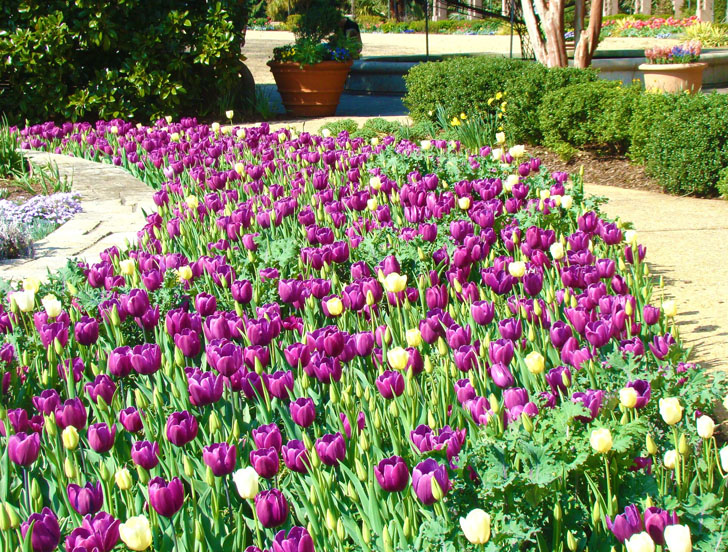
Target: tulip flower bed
(332, 345)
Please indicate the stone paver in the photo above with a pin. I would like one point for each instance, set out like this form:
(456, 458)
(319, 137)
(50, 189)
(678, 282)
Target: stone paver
(113, 202)
(687, 244)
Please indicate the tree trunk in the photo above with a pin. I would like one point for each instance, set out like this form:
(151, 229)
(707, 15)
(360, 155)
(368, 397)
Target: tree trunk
(550, 49)
(589, 39)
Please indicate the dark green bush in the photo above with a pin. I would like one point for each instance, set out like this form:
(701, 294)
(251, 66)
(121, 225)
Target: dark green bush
(588, 114)
(131, 58)
(683, 141)
(466, 84)
(459, 85)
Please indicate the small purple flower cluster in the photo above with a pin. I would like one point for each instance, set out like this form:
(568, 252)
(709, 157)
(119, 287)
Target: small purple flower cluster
(57, 208)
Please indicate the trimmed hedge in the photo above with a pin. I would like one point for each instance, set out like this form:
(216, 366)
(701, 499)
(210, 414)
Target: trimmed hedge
(681, 139)
(588, 114)
(466, 84)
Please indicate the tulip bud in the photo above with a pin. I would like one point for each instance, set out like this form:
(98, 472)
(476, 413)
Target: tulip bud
(363, 442)
(49, 425)
(596, 514)
(333, 393)
(209, 477)
(144, 475)
(571, 541)
(441, 346)
(104, 473)
(351, 492)
(437, 492)
(377, 421)
(13, 516)
(340, 530)
(4, 518)
(361, 472)
(330, 520)
(140, 400)
(365, 533)
(69, 468)
(558, 513)
(682, 445)
(187, 466)
(393, 409)
(527, 423)
(428, 365)
(214, 422)
(199, 533)
(651, 446)
(69, 437)
(123, 479)
(494, 404)
(35, 490)
(407, 529)
(387, 540)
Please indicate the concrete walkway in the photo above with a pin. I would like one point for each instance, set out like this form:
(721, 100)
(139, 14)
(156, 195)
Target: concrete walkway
(112, 201)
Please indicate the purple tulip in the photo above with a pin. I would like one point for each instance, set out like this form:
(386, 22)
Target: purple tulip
(220, 457)
(650, 314)
(102, 387)
(242, 291)
(46, 533)
(145, 454)
(559, 333)
(166, 498)
(204, 388)
(23, 448)
(86, 331)
(224, 356)
(660, 345)
(627, 524)
(501, 351)
(98, 533)
(86, 500)
(482, 312)
(188, 341)
(297, 540)
(656, 520)
(555, 378)
(71, 413)
(303, 411)
(205, 304)
(501, 375)
(181, 428)
(280, 384)
(131, 419)
(267, 436)
(295, 456)
(271, 507)
(331, 448)
(422, 477)
(464, 390)
(643, 389)
(47, 401)
(392, 474)
(598, 333)
(101, 437)
(390, 384)
(146, 359)
(119, 362)
(265, 462)
(136, 302)
(592, 401)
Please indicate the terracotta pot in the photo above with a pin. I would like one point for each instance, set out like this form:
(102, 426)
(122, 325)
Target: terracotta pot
(677, 77)
(310, 90)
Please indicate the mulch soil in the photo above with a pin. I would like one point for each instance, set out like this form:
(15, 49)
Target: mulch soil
(599, 168)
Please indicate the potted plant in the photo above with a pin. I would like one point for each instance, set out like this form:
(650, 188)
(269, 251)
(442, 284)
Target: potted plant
(674, 68)
(311, 72)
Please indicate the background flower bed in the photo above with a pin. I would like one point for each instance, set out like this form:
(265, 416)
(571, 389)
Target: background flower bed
(383, 315)
(679, 139)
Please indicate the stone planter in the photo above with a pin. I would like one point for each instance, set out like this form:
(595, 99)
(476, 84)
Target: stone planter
(310, 90)
(677, 77)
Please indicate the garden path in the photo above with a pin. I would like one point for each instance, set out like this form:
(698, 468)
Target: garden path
(112, 201)
(686, 239)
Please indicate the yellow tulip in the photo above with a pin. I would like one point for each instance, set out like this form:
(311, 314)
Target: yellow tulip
(136, 533)
(476, 526)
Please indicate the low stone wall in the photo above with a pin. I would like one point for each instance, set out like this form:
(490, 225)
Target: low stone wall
(385, 75)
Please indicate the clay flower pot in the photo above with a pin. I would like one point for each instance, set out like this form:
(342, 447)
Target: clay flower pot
(673, 77)
(310, 90)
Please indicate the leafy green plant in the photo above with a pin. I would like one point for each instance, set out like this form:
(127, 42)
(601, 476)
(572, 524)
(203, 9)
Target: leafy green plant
(709, 34)
(11, 160)
(589, 114)
(92, 59)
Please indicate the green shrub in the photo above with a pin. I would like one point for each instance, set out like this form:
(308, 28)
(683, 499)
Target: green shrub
(588, 114)
(723, 183)
(292, 22)
(525, 93)
(686, 145)
(137, 59)
(466, 84)
(459, 85)
(336, 127)
(381, 126)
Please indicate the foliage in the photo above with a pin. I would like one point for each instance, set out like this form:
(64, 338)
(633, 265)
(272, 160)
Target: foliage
(708, 34)
(11, 159)
(685, 158)
(589, 114)
(92, 58)
(688, 52)
(466, 85)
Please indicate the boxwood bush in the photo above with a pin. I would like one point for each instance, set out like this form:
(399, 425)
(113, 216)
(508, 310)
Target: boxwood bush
(681, 139)
(588, 114)
(97, 59)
